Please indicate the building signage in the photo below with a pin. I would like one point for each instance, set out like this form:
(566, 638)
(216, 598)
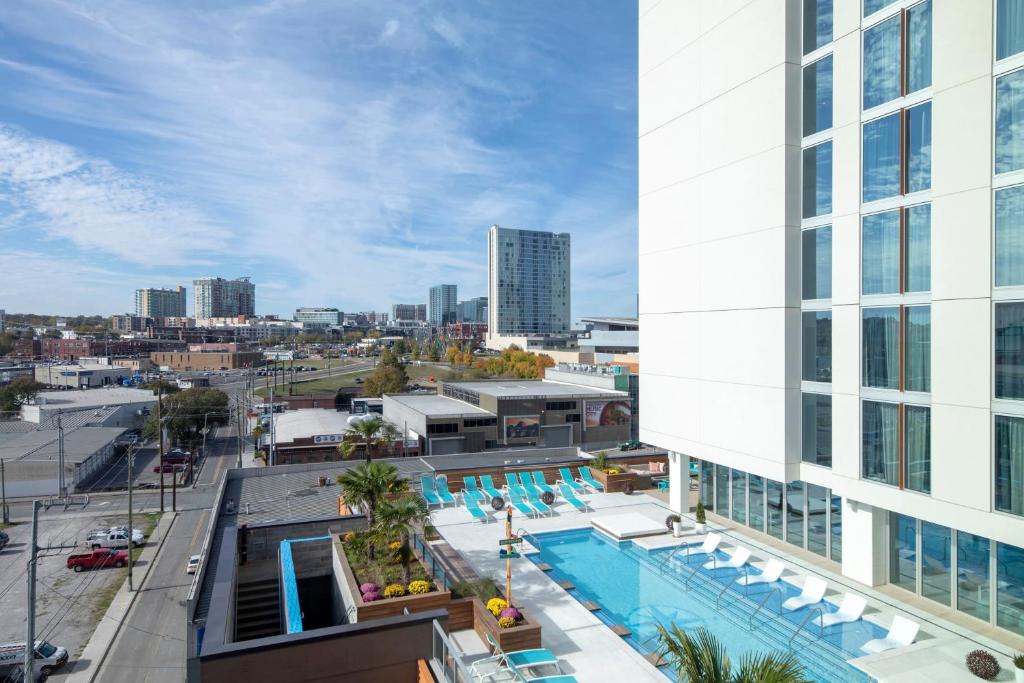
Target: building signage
(328, 438)
(606, 413)
(522, 426)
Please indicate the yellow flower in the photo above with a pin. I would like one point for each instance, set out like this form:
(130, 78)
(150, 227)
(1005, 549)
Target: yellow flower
(419, 587)
(506, 622)
(495, 605)
(395, 545)
(394, 590)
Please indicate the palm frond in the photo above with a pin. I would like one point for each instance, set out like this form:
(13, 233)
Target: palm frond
(770, 667)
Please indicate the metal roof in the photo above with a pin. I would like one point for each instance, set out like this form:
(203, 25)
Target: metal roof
(436, 405)
(514, 388)
(79, 444)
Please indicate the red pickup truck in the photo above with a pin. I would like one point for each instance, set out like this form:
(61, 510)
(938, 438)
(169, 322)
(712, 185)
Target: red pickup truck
(101, 557)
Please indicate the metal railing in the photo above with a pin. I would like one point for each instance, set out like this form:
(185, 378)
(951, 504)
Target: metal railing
(446, 658)
(772, 588)
(807, 617)
(437, 569)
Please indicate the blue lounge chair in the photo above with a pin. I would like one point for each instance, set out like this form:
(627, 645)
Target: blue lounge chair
(520, 659)
(512, 481)
(429, 494)
(441, 486)
(471, 490)
(488, 487)
(542, 484)
(569, 480)
(571, 498)
(560, 678)
(587, 478)
(474, 508)
(533, 498)
(519, 504)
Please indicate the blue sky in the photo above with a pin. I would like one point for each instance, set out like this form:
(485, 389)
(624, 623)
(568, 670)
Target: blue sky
(343, 153)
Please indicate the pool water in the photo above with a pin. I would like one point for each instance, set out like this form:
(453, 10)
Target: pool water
(639, 589)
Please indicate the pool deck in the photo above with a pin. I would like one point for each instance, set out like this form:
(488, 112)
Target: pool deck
(592, 652)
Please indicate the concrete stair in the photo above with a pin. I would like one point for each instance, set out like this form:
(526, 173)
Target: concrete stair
(257, 610)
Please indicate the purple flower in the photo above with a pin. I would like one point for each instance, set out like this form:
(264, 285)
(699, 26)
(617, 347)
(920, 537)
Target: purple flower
(511, 613)
(371, 596)
(368, 588)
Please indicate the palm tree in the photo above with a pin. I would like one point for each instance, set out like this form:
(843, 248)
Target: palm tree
(371, 433)
(401, 517)
(701, 658)
(366, 484)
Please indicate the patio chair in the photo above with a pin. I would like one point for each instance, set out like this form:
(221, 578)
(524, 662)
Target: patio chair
(512, 481)
(473, 505)
(520, 659)
(812, 593)
(429, 494)
(488, 487)
(770, 574)
(569, 481)
(587, 478)
(710, 545)
(902, 633)
(541, 482)
(738, 558)
(516, 500)
(571, 498)
(533, 498)
(471, 490)
(850, 609)
(441, 488)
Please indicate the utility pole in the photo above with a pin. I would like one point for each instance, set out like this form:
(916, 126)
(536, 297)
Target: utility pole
(238, 428)
(131, 468)
(4, 515)
(160, 436)
(60, 457)
(270, 448)
(30, 617)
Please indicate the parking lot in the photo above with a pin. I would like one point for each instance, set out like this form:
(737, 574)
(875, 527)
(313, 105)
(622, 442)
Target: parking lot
(68, 604)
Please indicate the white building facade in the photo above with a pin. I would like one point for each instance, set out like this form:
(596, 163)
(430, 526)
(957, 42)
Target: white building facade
(832, 280)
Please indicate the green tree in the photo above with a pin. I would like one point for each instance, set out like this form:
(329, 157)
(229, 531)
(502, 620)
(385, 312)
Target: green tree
(701, 658)
(366, 485)
(187, 412)
(389, 377)
(401, 517)
(372, 433)
(19, 392)
(161, 385)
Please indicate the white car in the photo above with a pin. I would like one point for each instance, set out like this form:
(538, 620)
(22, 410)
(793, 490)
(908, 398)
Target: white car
(193, 565)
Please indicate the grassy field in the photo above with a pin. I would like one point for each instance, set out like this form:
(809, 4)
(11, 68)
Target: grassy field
(417, 373)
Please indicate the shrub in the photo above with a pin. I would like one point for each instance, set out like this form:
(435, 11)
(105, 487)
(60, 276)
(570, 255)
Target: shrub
(1018, 661)
(982, 664)
(699, 513)
(495, 605)
(371, 596)
(670, 519)
(511, 613)
(600, 460)
(419, 587)
(369, 587)
(394, 590)
(349, 537)
(506, 622)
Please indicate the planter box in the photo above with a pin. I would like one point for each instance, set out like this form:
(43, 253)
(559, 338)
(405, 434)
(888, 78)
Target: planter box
(460, 614)
(615, 483)
(526, 636)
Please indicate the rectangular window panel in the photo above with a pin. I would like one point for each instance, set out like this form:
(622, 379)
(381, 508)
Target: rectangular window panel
(795, 513)
(776, 507)
(880, 253)
(917, 427)
(917, 248)
(707, 484)
(881, 347)
(872, 6)
(1009, 208)
(919, 46)
(817, 24)
(817, 188)
(1010, 587)
(1009, 351)
(936, 562)
(881, 448)
(972, 585)
(1009, 464)
(816, 441)
(817, 346)
(739, 496)
(1010, 122)
(817, 519)
(882, 62)
(881, 173)
(755, 516)
(836, 504)
(919, 147)
(722, 490)
(816, 263)
(1009, 28)
(917, 348)
(818, 96)
(903, 551)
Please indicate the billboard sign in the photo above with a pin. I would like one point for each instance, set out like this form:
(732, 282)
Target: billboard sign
(522, 426)
(607, 413)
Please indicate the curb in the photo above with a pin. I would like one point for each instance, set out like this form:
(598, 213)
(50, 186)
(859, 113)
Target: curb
(109, 626)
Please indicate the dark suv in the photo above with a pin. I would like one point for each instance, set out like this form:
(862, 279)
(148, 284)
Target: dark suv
(4, 540)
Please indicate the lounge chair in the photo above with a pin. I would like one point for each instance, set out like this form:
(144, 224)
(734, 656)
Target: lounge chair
(474, 508)
(587, 478)
(902, 633)
(441, 487)
(488, 487)
(569, 481)
(560, 678)
(471, 490)
(710, 545)
(850, 609)
(518, 503)
(512, 481)
(571, 498)
(429, 494)
(738, 558)
(542, 484)
(520, 659)
(812, 593)
(533, 498)
(770, 574)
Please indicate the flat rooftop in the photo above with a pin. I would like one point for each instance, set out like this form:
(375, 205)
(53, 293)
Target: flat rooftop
(298, 424)
(436, 405)
(612, 320)
(88, 398)
(79, 444)
(513, 388)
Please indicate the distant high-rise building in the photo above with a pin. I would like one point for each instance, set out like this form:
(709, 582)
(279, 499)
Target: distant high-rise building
(527, 282)
(220, 298)
(319, 317)
(443, 301)
(472, 310)
(160, 303)
(3, 320)
(409, 312)
(375, 317)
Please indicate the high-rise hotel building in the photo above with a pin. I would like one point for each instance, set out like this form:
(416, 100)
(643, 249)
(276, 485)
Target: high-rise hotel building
(832, 281)
(528, 282)
(220, 298)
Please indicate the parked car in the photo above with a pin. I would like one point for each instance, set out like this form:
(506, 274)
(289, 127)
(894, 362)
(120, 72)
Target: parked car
(169, 468)
(630, 446)
(4, 540)
(115, 537)
(193, 565)
(97, 559)
(49, 657)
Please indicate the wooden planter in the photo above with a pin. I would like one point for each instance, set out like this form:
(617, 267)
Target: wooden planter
(526, 636)
(615, 483)
(460, 614)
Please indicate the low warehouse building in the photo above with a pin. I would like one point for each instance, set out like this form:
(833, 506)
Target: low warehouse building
(31, 459)
(83, 376)
(206, 360)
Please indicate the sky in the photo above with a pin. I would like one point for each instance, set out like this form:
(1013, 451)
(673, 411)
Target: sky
(346, 153)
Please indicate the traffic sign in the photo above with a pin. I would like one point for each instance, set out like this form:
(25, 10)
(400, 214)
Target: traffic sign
(510, 541)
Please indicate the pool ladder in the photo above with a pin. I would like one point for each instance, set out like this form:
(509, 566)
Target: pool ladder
(772, 588)
(807, 617)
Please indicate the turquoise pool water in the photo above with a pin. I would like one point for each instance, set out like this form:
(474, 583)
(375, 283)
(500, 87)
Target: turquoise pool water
(639, 588)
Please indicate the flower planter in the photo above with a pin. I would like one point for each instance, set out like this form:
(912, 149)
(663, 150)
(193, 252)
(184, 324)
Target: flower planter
(460, 614)
(616, 483)
(525, 636)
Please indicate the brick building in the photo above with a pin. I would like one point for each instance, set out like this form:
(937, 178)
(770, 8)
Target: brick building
(188, 360)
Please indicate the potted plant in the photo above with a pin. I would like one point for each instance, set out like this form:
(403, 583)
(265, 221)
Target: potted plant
(675, 525)
(1018, 668)
(702, 522)
(982, 664)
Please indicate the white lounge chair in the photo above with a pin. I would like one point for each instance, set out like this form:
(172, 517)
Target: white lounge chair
(813, 592)
(901, 633)
(738, 558)
(850, 609)
(709, 545)
(772, 572)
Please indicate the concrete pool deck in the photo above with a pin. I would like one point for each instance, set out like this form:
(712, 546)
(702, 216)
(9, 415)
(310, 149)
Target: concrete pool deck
(591, 651)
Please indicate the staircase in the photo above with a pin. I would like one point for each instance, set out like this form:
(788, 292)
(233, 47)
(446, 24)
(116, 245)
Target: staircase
(257, 610)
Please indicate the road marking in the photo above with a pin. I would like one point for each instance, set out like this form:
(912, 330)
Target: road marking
(106, 502)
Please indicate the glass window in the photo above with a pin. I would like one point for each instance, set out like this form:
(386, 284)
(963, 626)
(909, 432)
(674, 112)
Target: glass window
(917, 249)
(722, 490)
(972, 585)
(882, 62)
(917, 427)
(881, 174)
(881, 347)
(881, 449)
(1010, 122)
(818, 96)
(817, 346)
(817, 429)
(936, 562)
(795, 513)
(776, 505)
(903, 551)
(1009, 351)
(739, 496)
(817, 24)
(1009, 28)
(1010, 587)
(817, 190)
(817, 519)
(817, 263)
(917, 347)
(707, 484)
(1009, 465)
(1010, 236)
(837, 528)
(872, 6)
(919, 46)
(755, 517)
(919, 147)
(880, 253)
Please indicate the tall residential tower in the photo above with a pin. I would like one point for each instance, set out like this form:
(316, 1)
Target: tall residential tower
(160, 303)
(443, 302)
(218, 298)
(527, 282)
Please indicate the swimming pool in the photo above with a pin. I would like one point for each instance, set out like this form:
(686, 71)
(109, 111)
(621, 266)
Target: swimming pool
(639, 588)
